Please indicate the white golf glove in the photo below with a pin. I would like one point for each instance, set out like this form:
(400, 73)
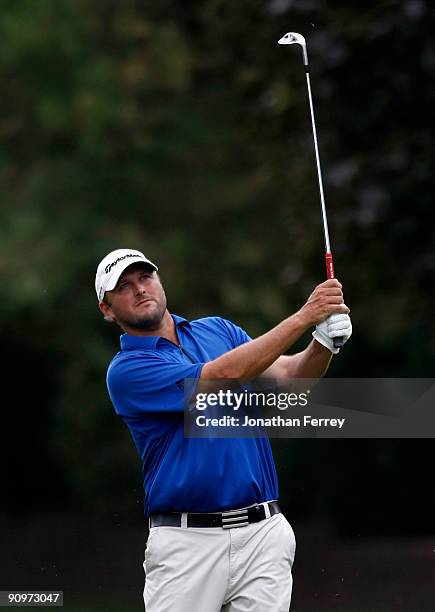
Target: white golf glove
(335, 325)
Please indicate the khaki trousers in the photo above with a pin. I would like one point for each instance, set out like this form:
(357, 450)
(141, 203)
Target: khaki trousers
(244, 569)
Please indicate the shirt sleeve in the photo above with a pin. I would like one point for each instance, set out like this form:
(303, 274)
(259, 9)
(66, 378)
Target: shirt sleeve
(150, 383)
(237, 335)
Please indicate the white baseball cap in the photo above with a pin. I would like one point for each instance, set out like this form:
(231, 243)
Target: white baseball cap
(113, 265)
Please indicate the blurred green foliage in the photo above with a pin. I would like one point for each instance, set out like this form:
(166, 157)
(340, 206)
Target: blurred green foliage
(182, 129)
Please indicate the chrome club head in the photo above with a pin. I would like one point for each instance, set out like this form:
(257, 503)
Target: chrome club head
(293, 38)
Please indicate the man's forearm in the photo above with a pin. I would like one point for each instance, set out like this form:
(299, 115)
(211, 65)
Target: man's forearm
(253, 358)
(313, 362)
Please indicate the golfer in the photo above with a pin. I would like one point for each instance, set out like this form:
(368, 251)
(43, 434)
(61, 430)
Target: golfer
(218, 541)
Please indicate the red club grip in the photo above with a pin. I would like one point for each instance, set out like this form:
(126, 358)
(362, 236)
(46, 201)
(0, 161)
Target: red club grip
(329, 266)
(338, 342)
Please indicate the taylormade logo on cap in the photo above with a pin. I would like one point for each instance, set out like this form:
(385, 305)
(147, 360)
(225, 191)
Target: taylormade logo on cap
(113, 265)
(110, 266)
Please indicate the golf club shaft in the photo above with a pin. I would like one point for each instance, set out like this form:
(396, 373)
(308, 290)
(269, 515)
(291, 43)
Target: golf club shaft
(338, 342)
(319, 170)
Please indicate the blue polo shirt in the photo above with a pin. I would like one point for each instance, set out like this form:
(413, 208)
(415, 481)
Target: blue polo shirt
(145, 383)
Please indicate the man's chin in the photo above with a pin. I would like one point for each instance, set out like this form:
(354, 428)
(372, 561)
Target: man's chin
(144, 325)
(148, 323)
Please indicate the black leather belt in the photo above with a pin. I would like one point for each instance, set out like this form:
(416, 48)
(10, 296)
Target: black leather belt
(226, 519)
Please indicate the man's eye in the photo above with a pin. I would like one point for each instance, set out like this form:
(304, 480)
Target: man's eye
(123, 286)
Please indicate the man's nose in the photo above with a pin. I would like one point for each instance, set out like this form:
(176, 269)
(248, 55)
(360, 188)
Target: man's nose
(139, 288)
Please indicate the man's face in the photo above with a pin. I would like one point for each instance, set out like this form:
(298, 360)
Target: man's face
(138, 301)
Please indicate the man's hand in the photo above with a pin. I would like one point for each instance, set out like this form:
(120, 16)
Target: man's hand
(326, 299)
(334, 326)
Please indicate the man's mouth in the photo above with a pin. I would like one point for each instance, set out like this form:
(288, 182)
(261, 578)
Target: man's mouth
(145, 301)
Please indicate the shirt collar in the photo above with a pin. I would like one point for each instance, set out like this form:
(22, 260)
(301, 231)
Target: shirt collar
(129, 342)
(179, 321)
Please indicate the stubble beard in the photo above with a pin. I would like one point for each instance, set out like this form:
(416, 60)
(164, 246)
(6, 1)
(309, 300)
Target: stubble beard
(149, 322)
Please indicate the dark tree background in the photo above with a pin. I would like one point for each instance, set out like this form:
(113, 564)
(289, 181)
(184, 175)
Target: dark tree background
(183, 129)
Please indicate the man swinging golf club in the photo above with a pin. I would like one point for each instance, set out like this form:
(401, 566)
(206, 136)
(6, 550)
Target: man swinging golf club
(218, 541)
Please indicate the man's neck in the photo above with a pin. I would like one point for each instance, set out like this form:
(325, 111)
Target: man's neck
(166, 329)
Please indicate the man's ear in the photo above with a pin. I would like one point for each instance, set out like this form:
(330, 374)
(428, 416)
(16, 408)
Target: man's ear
(107, 312)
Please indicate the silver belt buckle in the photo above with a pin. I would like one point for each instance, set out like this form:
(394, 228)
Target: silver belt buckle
(235, 518)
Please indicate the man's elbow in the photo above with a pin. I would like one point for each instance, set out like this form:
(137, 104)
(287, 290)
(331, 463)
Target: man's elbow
(214, 370)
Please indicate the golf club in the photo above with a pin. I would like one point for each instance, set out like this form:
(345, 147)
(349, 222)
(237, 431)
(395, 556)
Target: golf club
(292, 38)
